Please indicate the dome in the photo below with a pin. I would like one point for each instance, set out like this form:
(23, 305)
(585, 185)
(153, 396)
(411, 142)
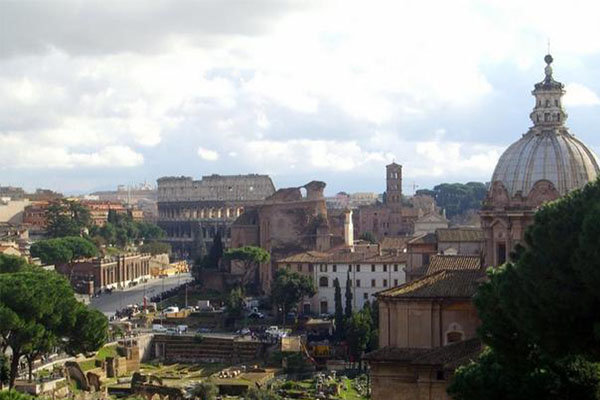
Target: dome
(548, 151)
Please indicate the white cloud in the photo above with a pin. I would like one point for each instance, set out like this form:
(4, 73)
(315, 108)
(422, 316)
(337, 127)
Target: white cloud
(580, 95)
(208, 155)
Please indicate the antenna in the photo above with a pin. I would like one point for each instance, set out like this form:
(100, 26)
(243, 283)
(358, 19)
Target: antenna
(548, 46)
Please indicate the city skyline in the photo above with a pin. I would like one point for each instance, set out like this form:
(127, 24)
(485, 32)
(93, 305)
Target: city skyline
(315, 91)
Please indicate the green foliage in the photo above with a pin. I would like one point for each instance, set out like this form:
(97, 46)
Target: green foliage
(205, 391)
(373, 342)
(66, 218)
(235, 302)
(210, 260)
(120, 230)
(38, 312)
(10, 263)
(155, 247)
(368, 237)
(358, 332)
(251, 257)
(539, 312)
(348, 296)
(339, 311)
(289, 288)
(14, 395)
(63, 250)
(261, 394)
(456, 198)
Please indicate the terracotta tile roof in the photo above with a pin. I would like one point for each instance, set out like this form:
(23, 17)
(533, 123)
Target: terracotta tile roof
(305, 257)
(454, 263)
(460, 235)
(450, 356)
(424, 238)
(442, 284)
(393, 243)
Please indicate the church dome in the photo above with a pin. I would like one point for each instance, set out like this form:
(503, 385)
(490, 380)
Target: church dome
(548, 151)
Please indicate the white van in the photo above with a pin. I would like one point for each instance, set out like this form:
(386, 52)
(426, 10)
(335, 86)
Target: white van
(158, 328)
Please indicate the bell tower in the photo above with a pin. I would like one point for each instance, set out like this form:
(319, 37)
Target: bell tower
(393, 190)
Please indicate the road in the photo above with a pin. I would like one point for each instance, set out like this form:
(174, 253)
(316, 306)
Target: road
(109, 303)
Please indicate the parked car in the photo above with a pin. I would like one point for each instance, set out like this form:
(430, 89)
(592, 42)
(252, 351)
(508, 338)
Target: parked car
(204, 330)
(244, 331)
(158, 328)
(172, 309)
(182, 328)
(173, 331)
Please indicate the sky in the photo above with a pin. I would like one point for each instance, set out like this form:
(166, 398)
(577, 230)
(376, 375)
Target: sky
(99, 93)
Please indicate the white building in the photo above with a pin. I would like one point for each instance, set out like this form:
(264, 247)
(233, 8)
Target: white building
(368, 273)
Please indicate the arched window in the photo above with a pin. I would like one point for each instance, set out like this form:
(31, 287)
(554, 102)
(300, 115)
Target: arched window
(323, 281)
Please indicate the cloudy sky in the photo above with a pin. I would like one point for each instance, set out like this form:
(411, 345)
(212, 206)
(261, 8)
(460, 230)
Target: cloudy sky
(99, 93)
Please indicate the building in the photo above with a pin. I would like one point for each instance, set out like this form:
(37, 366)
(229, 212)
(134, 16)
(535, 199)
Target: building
(291, 221)
(192, 212)
(396, 215)
(544, 164)
(368, 272)
(92, 275)
(12, 210)
(427, 328)
(429, 223)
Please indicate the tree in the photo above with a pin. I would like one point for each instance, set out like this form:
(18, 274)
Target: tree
(250, 256)
(205, 390)
(155, 247)
(10, 263)
(348, 296)
(457, 198)
(539, 311)
(368, 237)
(373, 342)
(63, 250)
(235, 302)
(289, 288)
(38, 311)
(358, 330)
(339, 311)
(66, 218)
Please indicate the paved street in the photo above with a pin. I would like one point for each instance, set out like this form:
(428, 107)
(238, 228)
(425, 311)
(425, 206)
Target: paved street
(109, 303)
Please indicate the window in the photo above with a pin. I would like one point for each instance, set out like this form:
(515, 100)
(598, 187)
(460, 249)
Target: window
(385, 283)
(323, 268)
(324, 307)
(358, 268)
(323, 281)
(373, 283)
(310, 268)
(358, 283)
(395, 267)
(366, 296)
(350, 282)
(501, 253)
(299, 267)
(395, 282)
(334, 268)
(372, 267)
(384, 267)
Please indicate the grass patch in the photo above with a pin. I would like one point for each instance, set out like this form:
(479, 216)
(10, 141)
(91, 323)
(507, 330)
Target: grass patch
(87, 365)
(107, 351)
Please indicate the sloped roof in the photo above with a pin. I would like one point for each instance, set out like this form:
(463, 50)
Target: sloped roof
(343, 257)
(424, 238)
(450, 356)
(454, 263)
(460, 235)
(442, 284)
(393, 243)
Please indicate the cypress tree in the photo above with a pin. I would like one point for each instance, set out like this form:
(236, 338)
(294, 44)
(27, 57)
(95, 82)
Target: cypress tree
(339, 311)
(348, 297)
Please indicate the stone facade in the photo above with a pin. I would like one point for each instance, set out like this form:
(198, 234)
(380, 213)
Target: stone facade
(369, 273)
(290, 221)
(395, 216)
(91, 276)
(191, 212)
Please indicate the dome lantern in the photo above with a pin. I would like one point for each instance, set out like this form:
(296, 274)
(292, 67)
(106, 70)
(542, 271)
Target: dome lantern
(548, 110)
